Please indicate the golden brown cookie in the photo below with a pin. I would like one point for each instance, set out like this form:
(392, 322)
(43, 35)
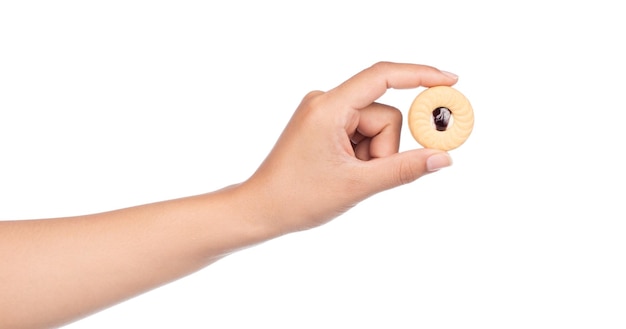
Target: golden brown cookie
(441, 118)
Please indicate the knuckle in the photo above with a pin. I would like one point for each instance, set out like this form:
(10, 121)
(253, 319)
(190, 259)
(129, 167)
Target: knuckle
(395, 116)
(391, 115)
(313, 99)
(312, 103)
(312, 95)
(382, 65)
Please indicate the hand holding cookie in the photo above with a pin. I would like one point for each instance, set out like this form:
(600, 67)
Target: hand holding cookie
(341, 146)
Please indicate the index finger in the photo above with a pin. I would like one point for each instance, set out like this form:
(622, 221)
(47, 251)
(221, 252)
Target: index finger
(370, 84)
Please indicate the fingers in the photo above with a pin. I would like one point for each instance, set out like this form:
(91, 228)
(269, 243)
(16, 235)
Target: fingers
(403, 168)
(362, 150)
(378, 131)
(370, 84)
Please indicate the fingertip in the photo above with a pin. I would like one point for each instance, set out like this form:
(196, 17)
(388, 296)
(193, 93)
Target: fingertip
(450, 75)
(438, 161)
(435, 77)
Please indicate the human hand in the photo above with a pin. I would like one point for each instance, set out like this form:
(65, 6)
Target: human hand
(341, 147)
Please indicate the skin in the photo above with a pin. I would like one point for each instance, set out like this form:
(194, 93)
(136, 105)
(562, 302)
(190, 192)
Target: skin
(339, 148)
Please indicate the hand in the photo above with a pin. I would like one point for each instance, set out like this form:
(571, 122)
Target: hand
(341, 147)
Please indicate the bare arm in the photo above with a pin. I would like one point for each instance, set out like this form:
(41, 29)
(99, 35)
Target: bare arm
(339, 148)
(57, 270)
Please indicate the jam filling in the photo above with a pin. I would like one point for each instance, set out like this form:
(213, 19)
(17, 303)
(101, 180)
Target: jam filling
(441, 118)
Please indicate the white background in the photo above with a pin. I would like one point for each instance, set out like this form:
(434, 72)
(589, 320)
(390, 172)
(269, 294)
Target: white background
(111, 104)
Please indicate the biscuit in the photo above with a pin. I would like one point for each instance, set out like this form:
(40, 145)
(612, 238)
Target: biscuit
(441, 118)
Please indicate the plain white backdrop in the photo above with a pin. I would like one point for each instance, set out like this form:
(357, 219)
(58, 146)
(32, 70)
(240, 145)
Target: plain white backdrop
(112, 104)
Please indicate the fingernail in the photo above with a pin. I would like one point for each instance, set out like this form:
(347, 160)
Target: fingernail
(450, 74)
(438, 161)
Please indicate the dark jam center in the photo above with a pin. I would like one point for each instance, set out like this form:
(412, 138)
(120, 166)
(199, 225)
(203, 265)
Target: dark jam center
(441, 117)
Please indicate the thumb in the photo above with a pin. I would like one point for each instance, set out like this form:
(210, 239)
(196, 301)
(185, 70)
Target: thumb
(403, 168)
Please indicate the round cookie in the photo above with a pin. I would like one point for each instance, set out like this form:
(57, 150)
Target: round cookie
(441, 118)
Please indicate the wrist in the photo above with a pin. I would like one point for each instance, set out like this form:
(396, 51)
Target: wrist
(240, 218)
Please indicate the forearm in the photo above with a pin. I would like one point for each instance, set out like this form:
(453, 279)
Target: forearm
(66, 268)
